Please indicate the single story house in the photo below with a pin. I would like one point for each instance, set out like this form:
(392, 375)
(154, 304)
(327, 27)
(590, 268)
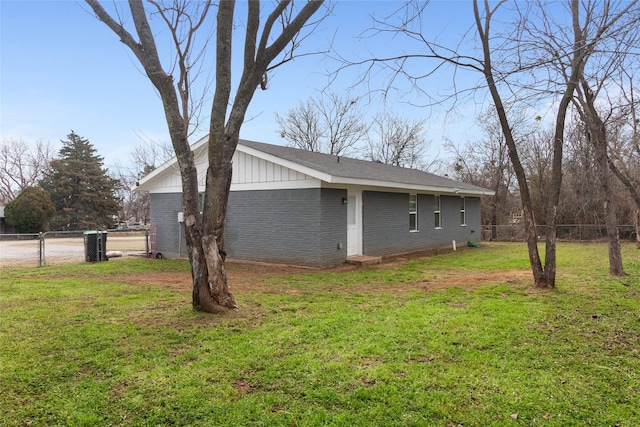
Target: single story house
(305, 208)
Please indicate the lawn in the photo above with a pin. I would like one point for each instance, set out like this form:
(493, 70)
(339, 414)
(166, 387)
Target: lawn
(445, 339)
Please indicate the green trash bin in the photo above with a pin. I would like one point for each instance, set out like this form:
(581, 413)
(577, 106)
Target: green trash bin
(95, 246)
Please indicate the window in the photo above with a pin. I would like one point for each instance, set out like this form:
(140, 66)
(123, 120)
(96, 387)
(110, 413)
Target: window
(413, 212)
(436, 212)
(463, 212)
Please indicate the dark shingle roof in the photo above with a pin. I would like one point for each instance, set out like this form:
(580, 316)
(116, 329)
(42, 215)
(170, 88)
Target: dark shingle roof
(345, 167)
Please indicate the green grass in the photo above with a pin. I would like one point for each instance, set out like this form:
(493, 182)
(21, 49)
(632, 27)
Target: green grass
(85, 345)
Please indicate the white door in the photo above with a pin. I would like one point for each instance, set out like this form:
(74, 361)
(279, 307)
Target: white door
(353, 224)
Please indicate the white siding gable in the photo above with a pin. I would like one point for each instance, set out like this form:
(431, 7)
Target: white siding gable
(253, 173)
(167, 182)
(253, 170)
(249, 173)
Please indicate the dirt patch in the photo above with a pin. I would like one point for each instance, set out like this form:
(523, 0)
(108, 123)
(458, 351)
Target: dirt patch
(262, 278)
(473, 279)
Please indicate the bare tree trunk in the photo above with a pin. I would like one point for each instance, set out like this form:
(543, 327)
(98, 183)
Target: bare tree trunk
(204, 233)
(635, 195)
(597, 134)
(213, 294)
(494, 221)
(482, 26)
(611, 221)
(636, 219)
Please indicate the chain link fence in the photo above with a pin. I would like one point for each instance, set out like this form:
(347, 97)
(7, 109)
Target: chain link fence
(564, 232)
(53, 247)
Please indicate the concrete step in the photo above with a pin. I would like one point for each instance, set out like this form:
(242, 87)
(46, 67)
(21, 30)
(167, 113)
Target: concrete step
(364, 260)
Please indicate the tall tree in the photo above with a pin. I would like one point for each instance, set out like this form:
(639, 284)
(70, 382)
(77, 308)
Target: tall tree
(267, 45)
(134, 205)
(330, 124)
(485, 163)
(625, 157)
(145, 157)
(81, 190)
(580, 194)
(31, 211)
(602, 64)
(536, 59)
(22, 165)
(397, 141)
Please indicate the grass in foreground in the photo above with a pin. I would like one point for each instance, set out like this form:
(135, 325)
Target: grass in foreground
(107, 344)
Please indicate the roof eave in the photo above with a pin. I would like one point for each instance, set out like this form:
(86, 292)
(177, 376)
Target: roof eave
(415, 187)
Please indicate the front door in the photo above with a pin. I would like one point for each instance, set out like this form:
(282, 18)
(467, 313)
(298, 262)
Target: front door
(354, 216)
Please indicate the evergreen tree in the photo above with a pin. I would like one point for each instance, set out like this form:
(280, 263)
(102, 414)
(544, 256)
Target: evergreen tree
(82, 192)
(30, 211)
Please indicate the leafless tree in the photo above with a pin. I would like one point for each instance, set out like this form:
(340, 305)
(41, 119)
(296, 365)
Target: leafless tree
(331, 124)
(598, 137)
(614, 53)
(22, 166)
(537, 59)
(485, 163)
(134, 205)
(148, 155)
(580, 194)
(536, 154)
(145, 157)
(398, 141)
(625, 154)
(267, 44)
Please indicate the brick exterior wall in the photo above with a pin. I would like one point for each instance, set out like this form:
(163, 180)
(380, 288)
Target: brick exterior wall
(164, 212)
(386, 223)
(301, 226)
(297, 226)
(309, 226)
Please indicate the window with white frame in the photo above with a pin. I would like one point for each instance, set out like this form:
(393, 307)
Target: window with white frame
(413, 212)
(463, 211)
(436, 212)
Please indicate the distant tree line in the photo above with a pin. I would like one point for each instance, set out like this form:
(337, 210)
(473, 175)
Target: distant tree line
(485, 162)
(337, 125)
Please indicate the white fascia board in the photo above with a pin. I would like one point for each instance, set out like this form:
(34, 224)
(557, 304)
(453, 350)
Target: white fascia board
(314, 173)
(278, 185)
(274, 185)
(410, 187)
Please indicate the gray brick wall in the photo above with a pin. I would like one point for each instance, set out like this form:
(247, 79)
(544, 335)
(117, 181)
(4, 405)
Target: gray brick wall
(164, 212)
(287, 226)
(309, 226)
(301, 226)
(386, 223)
(333, 230)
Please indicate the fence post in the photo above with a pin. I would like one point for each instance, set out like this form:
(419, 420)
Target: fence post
(146, 243)
(636, 219)
(41, 260)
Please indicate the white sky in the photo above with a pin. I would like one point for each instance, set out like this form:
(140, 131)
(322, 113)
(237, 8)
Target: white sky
(61, 70)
